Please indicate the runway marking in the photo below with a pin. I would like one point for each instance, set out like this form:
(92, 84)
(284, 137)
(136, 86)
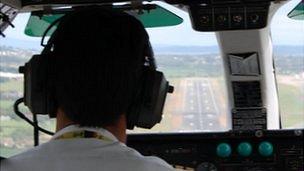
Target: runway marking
(209, 115)
(196, 93)
(212, 97)
(189, 116)
(199, 102)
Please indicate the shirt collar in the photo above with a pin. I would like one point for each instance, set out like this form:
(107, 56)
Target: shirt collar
(73, 128)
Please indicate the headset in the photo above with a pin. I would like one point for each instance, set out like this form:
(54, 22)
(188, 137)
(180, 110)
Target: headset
(145, 112)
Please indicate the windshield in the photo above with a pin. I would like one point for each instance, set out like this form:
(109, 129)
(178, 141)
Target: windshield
(287, 35)
(190, 61)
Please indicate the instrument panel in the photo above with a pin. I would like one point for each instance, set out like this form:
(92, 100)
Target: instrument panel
(226, 151)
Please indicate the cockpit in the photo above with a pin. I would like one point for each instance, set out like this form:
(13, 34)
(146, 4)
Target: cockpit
(237, 68)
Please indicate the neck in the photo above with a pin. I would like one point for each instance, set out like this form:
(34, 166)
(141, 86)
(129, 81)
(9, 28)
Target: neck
(62, 120)
(118, 129)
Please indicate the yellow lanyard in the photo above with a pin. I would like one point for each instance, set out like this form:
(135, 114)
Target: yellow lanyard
(83, 134)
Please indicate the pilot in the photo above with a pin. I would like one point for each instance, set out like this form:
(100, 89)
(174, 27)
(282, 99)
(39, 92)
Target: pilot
(99, 54)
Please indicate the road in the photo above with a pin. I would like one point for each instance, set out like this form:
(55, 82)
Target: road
(200, 110)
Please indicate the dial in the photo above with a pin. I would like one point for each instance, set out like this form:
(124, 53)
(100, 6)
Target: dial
(206, 166)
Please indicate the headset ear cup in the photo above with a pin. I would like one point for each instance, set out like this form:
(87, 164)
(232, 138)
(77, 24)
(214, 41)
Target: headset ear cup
(133, 112)
(156, 87)
(36, 85)
(52, 105)
(147, 110)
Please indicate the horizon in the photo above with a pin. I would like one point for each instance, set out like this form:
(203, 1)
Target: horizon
(161, 49)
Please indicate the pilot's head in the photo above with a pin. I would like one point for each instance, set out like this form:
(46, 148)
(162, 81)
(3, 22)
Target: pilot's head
(98, 59)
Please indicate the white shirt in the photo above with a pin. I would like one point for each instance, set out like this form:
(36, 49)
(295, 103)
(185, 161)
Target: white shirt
(83, 154)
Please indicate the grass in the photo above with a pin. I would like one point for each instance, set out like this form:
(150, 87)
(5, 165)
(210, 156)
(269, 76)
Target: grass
(291, 105)
(10, 126)
(8, 152)
(6, 104)
(290, 99)
(12, 85)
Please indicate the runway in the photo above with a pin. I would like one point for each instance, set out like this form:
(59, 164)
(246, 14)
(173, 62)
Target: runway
(200, 110)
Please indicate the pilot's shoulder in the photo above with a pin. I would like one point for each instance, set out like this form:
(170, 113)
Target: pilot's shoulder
(146, 163)
(24, 158)
(156, 164)
(12, 163)
(29, 153)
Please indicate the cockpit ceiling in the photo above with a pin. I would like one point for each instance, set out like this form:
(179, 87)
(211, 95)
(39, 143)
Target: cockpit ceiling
(206, 15)
(35, 2)
(30, 5)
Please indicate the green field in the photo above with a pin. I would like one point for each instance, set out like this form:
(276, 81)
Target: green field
(291, 105)
(13, 85)
(19, 133)
(6, 104)
(7, 152)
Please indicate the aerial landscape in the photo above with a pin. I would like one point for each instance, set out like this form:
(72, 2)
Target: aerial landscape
(198, 104)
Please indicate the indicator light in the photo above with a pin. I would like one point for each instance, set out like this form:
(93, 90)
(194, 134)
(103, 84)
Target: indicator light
(265, 149)
(244, 149)
(223, 150)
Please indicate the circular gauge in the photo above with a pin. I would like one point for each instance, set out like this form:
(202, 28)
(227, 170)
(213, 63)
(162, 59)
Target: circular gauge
(206, 166)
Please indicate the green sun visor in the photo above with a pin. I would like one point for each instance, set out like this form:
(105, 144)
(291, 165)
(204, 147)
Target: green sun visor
(298, 12)
(152, 16)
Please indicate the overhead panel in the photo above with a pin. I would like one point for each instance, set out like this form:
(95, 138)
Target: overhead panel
(229, 17)
(220, 15)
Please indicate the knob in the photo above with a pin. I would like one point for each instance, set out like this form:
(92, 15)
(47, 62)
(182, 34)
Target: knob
(221, 18)
(22, 69)
(205, 19)
(244, 149)
(265, 148)
(254, 18)
(170, 89)
(223, 150)
(237, 18)
(206, 166)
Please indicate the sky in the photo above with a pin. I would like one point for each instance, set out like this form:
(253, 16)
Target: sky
(285, 31)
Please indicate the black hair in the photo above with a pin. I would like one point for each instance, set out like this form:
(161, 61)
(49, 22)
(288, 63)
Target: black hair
(98, 60)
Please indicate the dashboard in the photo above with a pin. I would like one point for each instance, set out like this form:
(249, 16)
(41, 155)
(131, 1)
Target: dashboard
(226, 151)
